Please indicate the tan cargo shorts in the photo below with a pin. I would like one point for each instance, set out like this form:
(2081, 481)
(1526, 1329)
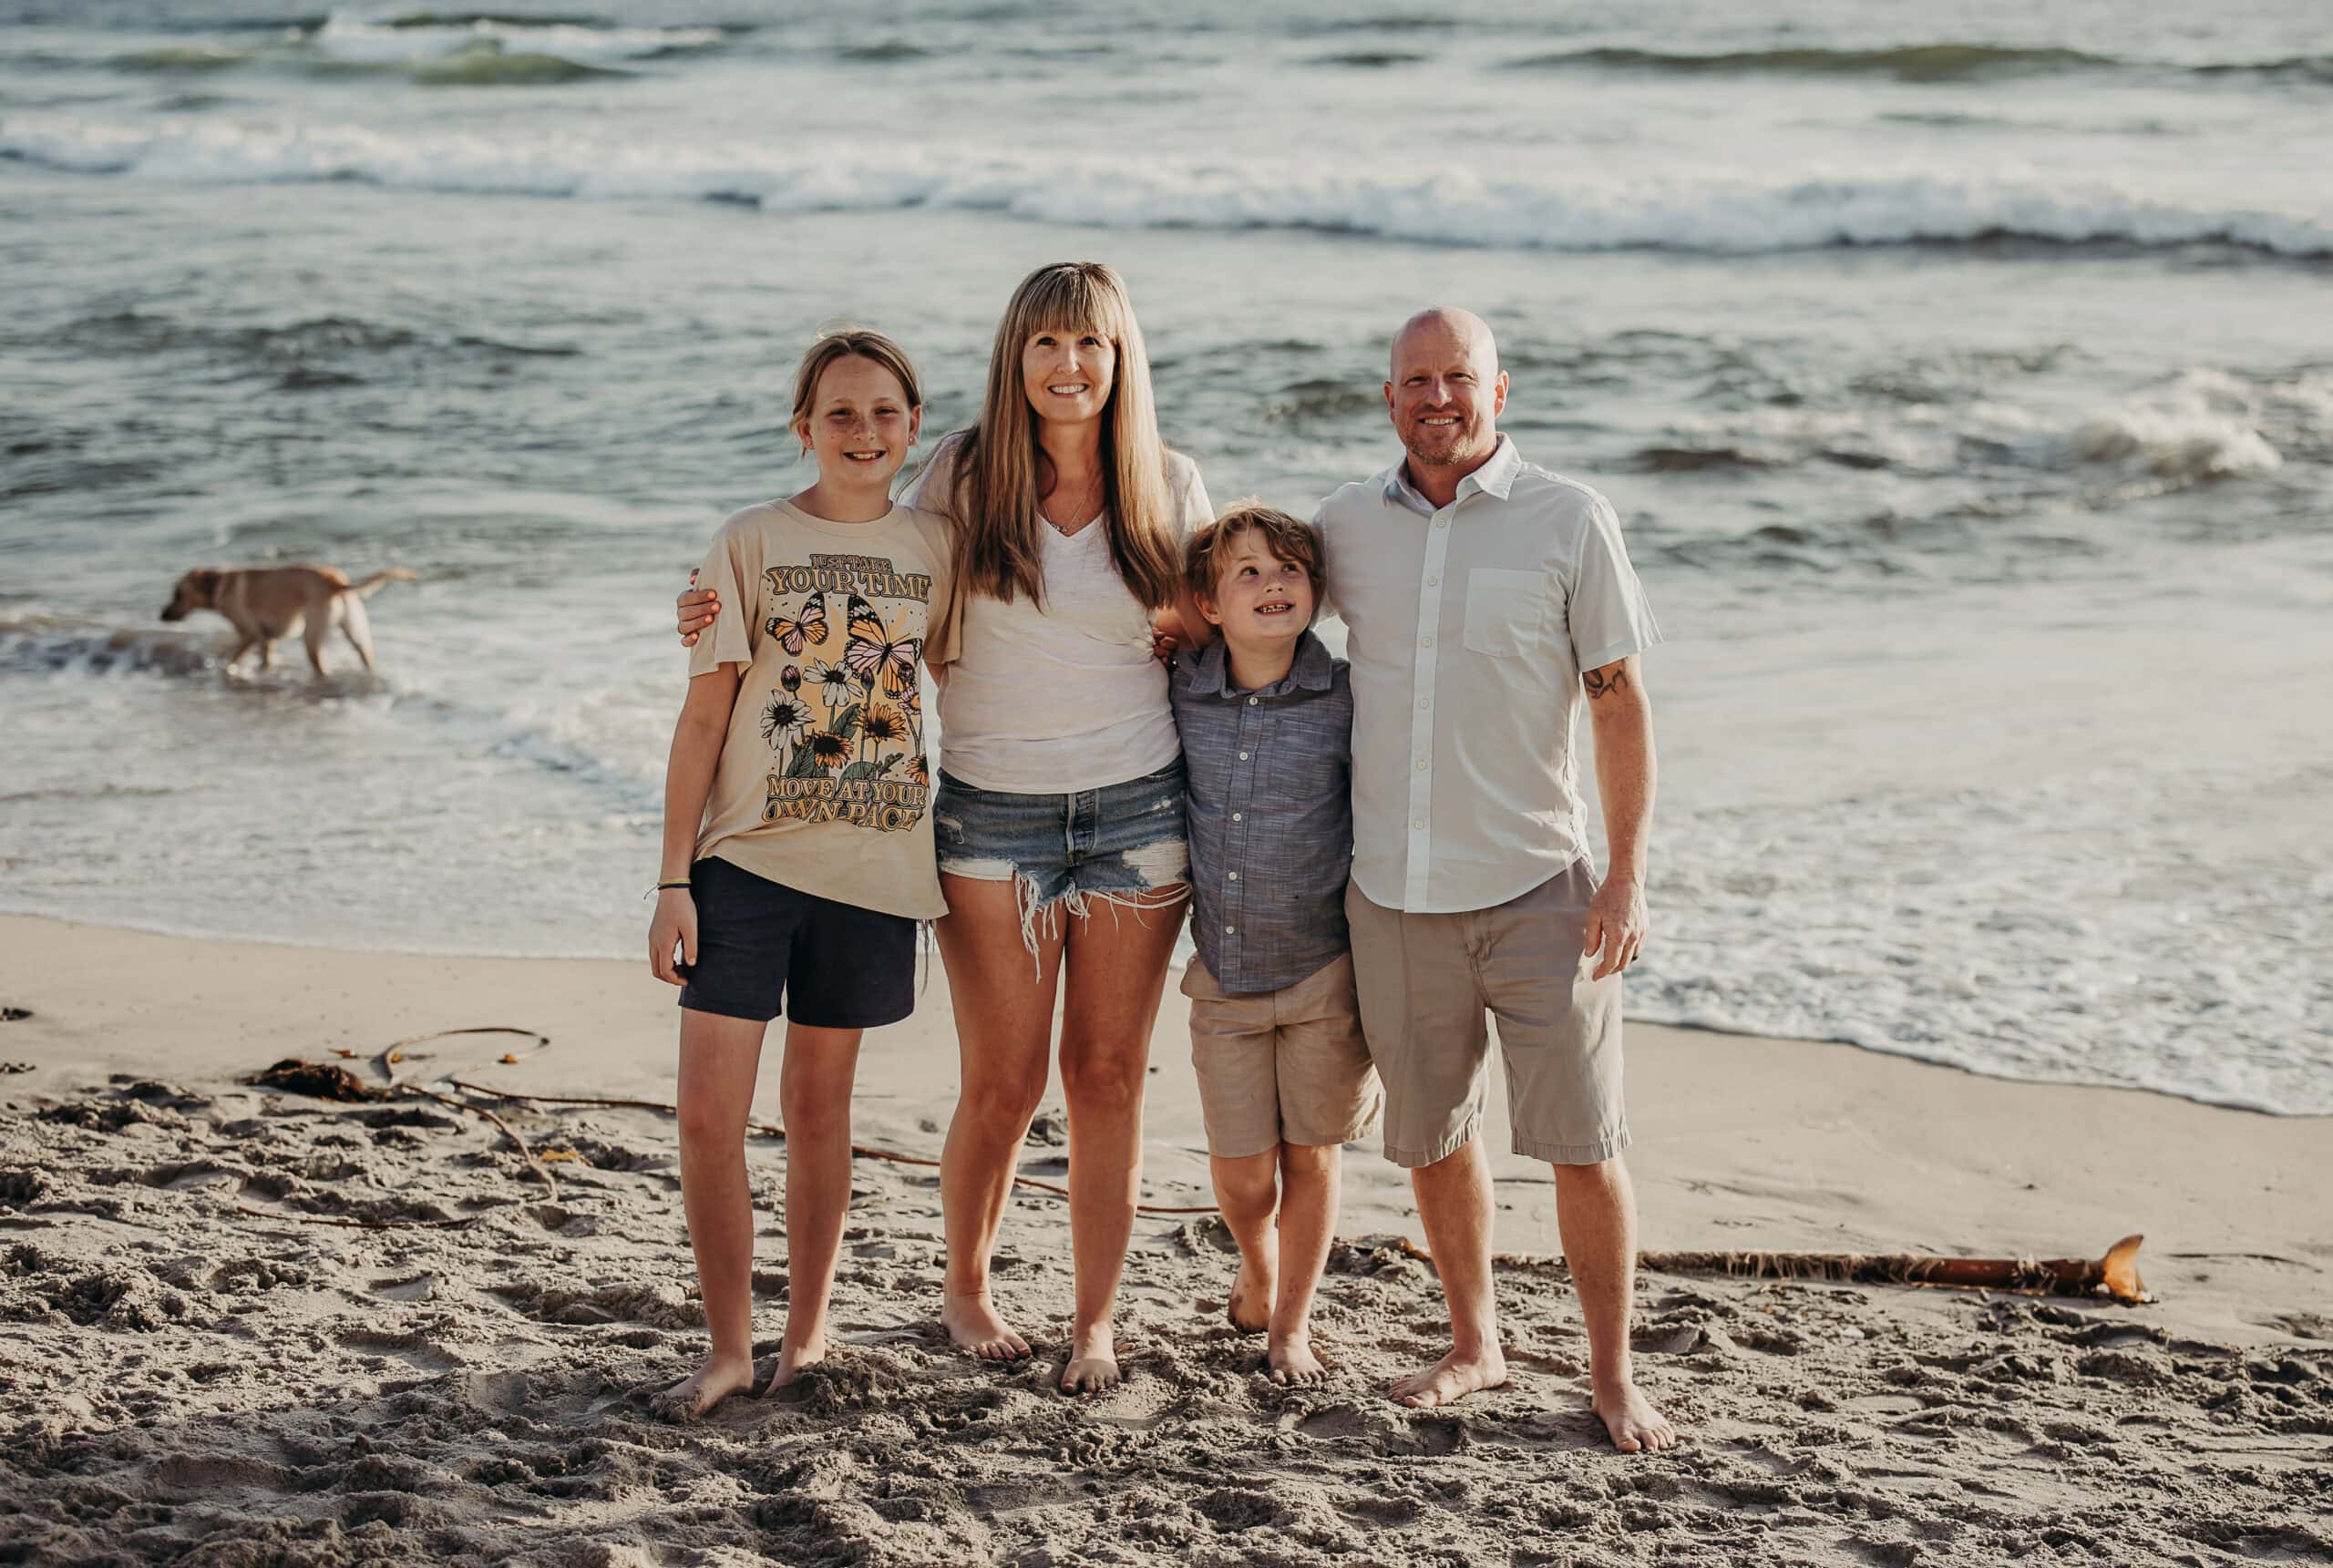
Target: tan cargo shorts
(1429, 982)
(1285, 1066)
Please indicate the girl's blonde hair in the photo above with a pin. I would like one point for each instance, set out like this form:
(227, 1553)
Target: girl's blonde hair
(845, 342)
(996, 484)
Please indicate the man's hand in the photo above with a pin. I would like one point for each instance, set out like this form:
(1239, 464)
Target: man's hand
(1616, 925)
(694, 612)
(674, 927)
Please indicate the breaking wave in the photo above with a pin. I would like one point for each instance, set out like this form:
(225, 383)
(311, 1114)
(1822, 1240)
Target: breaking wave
(1911, 62)
(1555, 212)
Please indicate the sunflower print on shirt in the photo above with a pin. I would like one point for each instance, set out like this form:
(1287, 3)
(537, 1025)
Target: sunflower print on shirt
(844, 724)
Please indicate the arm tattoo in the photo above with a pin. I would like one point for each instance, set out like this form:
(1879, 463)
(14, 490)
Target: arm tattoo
(1601, 683)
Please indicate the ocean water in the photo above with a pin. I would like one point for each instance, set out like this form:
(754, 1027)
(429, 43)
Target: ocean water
(1966, 389)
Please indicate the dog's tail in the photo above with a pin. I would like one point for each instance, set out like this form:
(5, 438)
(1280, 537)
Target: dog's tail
(373, 584)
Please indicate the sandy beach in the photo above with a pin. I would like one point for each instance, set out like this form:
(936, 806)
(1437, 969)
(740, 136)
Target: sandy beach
(197, 1371)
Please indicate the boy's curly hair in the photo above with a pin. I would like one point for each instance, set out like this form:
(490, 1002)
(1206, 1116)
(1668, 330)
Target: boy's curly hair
(1286, 539)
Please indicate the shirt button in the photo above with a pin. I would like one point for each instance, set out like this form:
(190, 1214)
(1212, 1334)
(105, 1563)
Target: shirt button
(1243, 757)
(1433, 582)
(1424, 702)
(1227, 930)
(1235, 816)
(1418, 822)
(1426, 641)
(1441, 522)
(1251, 701)
(1421, 764)
(1234, 876)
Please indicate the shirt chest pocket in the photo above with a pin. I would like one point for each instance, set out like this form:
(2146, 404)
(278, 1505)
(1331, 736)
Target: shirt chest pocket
(1506, 611)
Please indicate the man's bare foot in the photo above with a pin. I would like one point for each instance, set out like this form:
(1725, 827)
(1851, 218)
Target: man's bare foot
(1292, 1361)
(1251, 1310)
(1093, 1362)
(690, 1399)
(1451, 1379)
(793, 1360)
(1635, 1426)
(972, 1323)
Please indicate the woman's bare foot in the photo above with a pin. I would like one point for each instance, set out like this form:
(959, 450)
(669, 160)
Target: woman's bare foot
(1451, 1379)
(690, 1399)
(1093, 1362)
(1251, 1310)
(972, 1323)
(1292, 1361)
(793, 1360)
(1635, 1426)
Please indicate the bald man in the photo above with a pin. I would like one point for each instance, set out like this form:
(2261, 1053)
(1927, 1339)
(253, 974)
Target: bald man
(1488, 600)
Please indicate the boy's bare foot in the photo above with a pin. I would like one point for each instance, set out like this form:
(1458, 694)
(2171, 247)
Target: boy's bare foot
(1093, 1362)
(1251, 1310)
(793, 1360)
(1451, 1379)
(690, 1399)
(1293, 1363)
(972, 1323)
(1635, 1426)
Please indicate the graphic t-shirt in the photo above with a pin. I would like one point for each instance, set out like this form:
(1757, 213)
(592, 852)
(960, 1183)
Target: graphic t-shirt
(823, 786)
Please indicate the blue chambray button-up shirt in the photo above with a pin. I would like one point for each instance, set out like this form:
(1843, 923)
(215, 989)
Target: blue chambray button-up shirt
(1270, 814)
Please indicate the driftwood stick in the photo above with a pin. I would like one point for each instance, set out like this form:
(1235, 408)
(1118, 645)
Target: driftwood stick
(330, 1082)
(536, 1166)
(393, 1052)
(2116, 1274)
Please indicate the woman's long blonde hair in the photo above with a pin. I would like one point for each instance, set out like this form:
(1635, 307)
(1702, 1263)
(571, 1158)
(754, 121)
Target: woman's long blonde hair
(997, 483)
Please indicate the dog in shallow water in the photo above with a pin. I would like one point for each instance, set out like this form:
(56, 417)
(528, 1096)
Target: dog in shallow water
(264, 603)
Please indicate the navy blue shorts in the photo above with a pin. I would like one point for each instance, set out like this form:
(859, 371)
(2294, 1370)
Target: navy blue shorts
(760, 944)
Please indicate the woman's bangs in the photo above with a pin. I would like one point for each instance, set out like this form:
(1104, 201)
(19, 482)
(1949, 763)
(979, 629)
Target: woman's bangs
(1073, 303)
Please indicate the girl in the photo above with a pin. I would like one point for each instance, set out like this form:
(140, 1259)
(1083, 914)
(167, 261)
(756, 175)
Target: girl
(798, 836)
(1061, 843)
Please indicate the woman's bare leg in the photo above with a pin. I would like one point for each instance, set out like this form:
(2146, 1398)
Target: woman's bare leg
(1004, 1005)
(1116, 964)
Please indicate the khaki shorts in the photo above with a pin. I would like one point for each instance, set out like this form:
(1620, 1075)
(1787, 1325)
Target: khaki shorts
(1280, 1067)
(1427, 983)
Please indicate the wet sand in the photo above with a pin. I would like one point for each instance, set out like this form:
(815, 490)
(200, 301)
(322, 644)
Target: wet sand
(197, 1370)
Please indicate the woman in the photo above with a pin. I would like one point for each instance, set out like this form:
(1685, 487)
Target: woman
(1059, 815)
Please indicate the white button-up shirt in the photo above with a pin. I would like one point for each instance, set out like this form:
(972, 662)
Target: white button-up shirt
(1470, 625)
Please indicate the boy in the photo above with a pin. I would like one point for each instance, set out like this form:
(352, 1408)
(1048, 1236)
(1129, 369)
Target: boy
(1284, 1077)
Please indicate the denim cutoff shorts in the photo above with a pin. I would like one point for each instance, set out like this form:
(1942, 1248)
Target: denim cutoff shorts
(1117, 845)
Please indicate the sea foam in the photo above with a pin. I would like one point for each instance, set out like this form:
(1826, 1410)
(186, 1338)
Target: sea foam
(1559, 211)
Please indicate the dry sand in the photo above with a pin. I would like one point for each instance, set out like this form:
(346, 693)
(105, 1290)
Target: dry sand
(194, 1370)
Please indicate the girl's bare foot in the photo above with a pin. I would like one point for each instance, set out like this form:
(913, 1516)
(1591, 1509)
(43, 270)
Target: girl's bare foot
(1635, 1426)
(1093, 1362)
(1292, 1361)
(792, 1361)
(1251, 1310)
(720, 1377)
(1451, 1379)
(972, 1323)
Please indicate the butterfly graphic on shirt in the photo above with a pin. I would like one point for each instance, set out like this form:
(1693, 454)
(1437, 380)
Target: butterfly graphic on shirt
(873, 654)
(806, 625)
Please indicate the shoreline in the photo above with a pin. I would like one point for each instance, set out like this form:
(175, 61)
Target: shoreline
(263, 1327)
(1742, 1141)
(355, 955)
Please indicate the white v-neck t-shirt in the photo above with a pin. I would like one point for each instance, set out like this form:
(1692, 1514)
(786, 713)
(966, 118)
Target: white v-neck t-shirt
(1066, 698)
